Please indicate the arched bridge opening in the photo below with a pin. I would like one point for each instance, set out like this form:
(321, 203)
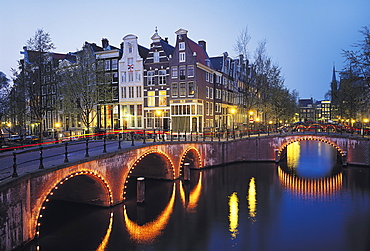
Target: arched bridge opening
(79, 189)
(282, 151)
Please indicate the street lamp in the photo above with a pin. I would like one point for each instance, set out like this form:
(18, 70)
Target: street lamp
(158, 113)
(57, 126)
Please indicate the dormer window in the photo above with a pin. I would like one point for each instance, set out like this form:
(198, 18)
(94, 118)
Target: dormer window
(182, 46)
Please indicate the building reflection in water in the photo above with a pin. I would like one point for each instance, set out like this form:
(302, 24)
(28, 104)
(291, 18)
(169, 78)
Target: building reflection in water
(233, 214)
(148, 232)
(294, 153)
(103, 245)
(194, 195)
(322, 188)
(252, 199)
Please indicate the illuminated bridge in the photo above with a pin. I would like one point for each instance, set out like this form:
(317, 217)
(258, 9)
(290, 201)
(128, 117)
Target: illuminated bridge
(102, 180)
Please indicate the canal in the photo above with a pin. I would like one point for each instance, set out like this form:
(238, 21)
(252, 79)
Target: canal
(308, 202)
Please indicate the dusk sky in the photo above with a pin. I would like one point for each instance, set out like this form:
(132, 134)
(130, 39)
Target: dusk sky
(305, 38)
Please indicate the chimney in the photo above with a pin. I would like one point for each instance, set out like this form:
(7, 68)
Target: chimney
(203, 44)
(166, 39)
(104, 43)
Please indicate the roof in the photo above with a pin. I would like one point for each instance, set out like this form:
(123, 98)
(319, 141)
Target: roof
(201, 54)
(143, 51)
(168, 49)
(217, 63)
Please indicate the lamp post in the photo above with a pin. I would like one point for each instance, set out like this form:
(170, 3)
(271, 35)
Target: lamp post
(158, 113)
(365, 121)
(233, 111)
(269, 126)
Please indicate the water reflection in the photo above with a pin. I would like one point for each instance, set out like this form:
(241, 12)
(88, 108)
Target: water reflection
(310, 189)
(317, 161)
(105, 240)
(252, 199)
(233, 214)
(147, 233)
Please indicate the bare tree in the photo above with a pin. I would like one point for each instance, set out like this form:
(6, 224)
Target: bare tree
(241, 44)
(81, 86)
(41, 41)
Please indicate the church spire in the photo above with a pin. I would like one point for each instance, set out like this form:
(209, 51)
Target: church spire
(334, 78)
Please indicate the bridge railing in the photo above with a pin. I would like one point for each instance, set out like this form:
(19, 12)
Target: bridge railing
(28, 158)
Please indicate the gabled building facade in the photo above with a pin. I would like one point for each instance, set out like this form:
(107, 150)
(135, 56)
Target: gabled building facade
(108, 109)
(157, 87)
(131, 68)
(192, 88)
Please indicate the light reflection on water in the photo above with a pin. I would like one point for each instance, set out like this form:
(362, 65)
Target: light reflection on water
(218, 210)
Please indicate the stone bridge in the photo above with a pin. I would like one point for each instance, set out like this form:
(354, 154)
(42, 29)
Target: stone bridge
(102, 180)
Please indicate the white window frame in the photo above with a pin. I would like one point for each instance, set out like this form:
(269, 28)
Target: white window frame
(182, 46)
(182, 57)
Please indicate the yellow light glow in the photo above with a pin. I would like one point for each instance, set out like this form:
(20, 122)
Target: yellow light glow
(57, 125)
(232, 110)
(195, 194)
(158, 112)
(233, 214)
(103, 245)
(270, 122)
(366, 120)
(293, 154)
(9, 124)
(252, 199)
(148, 232)
(257, 119)
(251, 113)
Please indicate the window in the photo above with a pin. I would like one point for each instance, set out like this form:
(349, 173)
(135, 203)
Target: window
(130, 49)
(191, 89)
(182, 46)
(182, 57)
(130, 76)
(137, 76)
(207, 76)
(174, 72)
(162, 77)
(130, 62)
(124, 77)
(150, 79)
(175, 90)
(130, 92)
(107, 65)
(207, 92)
(114, 64)
(156, 57)
(211, 92)
(211, 77)
(162, 98)
(210, 108)
(207, 109)
(190, 70)
(182, 89)
(151, 98)
(123, 92)
(182, 72)
(138, 91)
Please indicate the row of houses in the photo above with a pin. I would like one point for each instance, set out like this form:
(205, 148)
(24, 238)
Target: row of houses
(164, 87)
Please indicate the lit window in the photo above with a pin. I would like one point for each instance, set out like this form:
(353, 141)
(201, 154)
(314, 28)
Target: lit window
(151, 98)
(191, 89)
(162, 98)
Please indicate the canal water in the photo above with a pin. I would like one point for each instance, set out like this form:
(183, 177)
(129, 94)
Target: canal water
(308, 202)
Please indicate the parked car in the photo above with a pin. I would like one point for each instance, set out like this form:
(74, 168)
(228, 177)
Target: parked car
(14, 137)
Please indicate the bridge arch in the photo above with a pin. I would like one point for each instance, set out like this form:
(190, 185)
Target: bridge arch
(311, 138)
(192, 156)
(56, 191)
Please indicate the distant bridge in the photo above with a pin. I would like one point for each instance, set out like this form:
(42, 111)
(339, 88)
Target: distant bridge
(102, 179)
